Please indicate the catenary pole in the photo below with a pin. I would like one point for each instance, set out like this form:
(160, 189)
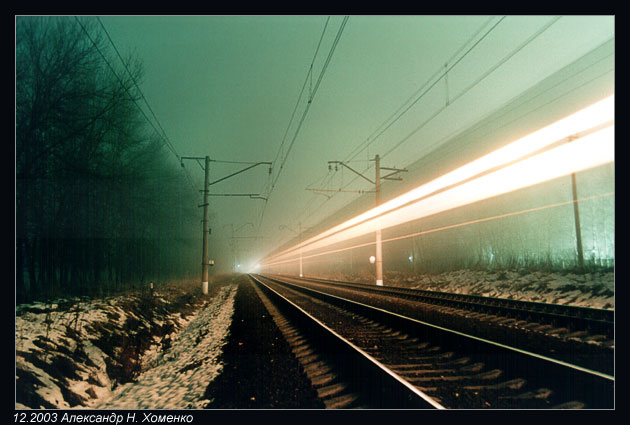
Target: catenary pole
(204, 260)
(300, 241)
(379, 245)
(578, 231)
(377, 184)
(205, 263)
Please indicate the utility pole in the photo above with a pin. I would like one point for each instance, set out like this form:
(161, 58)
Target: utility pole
(377, 184)
(300, 241)
(204, 260)
(233, 239)
(578, 230)
(576, 215)
(204, 257)
(204, 249)
(379, 244)
(299, 233)
(231, 226)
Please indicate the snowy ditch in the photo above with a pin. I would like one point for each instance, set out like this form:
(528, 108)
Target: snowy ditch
(72, 357)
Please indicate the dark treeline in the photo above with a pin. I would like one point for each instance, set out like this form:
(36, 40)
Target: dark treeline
(100, 206)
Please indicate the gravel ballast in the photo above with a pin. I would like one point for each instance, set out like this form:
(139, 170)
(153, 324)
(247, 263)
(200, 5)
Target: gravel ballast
(259, 369)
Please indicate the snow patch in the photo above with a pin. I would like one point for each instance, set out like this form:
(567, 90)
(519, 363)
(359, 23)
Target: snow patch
(61, 362)
(180, 376)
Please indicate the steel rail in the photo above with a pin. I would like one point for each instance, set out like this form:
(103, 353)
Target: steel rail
(573, 317)
(595, 388)
(381, 386)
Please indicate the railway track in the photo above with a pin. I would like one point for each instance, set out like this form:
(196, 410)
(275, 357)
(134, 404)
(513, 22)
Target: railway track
(574, 318)
(343, 375)
(367, 357)
(560, 337)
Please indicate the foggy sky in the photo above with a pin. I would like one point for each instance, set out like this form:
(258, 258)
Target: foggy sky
(227, 87)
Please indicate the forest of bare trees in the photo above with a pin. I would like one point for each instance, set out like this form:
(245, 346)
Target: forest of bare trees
(100, 205)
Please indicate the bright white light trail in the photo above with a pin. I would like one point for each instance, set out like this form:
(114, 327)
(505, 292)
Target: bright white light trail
(587, 138)
(307, 258)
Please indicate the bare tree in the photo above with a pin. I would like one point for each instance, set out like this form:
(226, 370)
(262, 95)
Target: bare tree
(90, 175)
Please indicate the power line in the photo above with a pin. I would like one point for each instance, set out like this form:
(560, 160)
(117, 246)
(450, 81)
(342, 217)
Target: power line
(297, 103)
(436, 78)
(398, 114)
(308, 105)
(332, 50)
(271, 183)
(424, 89)
(119, 79)
(311, 97)
(164, 136)
(233, 162)
(477, 81)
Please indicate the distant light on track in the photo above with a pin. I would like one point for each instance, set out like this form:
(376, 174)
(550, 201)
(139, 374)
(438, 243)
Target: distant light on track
(578, 142)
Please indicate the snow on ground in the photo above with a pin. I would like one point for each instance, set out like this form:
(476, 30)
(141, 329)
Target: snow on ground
(71, 353)
(586, 290)
(45, 339)
(179, 377)
(68, 354)
(594, 289)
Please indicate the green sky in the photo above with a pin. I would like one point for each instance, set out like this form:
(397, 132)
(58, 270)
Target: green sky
(226, 86)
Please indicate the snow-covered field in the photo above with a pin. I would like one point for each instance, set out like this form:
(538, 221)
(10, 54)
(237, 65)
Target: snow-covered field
(65, 353)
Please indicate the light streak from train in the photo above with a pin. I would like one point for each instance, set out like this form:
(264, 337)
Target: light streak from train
(578, 142)
(438, 229)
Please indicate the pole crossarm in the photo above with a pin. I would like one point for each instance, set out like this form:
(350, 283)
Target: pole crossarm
(206, 262)
(395, 171)
(306, 230)
(377, 190)
(351, 169)
(233, 194)
(194, 158)
(250, 195)
(284, 226)
(340, 190)
(238, 172)
(317, 192)
(246, 224)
